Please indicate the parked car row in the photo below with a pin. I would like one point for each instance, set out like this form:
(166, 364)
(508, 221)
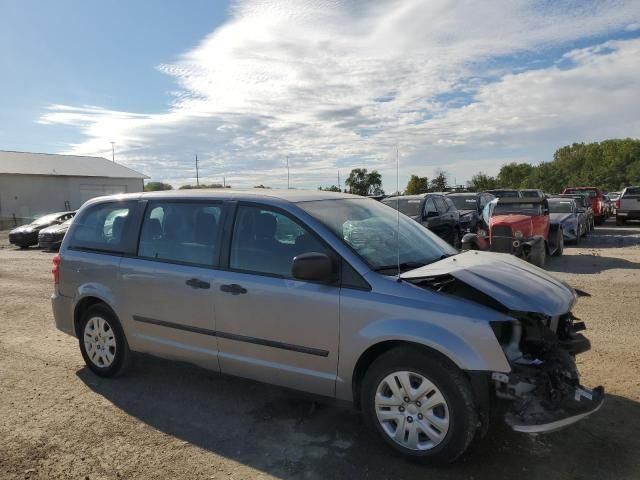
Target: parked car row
(47, 231)
(448, 215)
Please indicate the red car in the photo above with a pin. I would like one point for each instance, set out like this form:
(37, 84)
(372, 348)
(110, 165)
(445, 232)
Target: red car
(597, 201)
(520, 226)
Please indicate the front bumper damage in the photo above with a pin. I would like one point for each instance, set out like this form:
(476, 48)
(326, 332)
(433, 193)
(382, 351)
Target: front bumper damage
(543, 388)
(541, 392)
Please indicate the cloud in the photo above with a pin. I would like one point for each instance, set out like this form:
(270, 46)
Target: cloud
(339, 83)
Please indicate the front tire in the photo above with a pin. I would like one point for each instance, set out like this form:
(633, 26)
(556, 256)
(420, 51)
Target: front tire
(560, 245)
(103, 344)
(539, 255)
(420, 404)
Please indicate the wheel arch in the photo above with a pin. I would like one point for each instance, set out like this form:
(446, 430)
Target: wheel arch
(376, 350)
(83, 305)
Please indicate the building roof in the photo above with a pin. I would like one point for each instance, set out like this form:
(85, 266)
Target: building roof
(25, 163)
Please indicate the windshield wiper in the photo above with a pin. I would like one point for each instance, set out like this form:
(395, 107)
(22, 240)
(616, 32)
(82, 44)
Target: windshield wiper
(404, 266)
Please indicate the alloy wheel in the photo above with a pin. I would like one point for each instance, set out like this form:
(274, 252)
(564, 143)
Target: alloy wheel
(411, 410)
(99, 342)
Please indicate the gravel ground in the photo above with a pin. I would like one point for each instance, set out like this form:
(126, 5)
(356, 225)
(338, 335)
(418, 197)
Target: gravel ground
(170, 420)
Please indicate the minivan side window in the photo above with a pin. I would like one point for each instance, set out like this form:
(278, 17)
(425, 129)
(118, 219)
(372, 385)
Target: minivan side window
(266, 241)
(181, 232)
(101, 227)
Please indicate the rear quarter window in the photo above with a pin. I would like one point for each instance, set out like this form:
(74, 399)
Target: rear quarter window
(632, 192)
(102, 227)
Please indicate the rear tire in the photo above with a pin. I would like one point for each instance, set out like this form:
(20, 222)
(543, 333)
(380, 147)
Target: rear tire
(538, 255)
(420, 404)
(103, 344)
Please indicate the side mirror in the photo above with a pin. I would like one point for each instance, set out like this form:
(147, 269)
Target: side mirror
(313, 266)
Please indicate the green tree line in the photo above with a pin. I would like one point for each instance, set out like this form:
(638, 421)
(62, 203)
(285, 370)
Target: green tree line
(610, 165)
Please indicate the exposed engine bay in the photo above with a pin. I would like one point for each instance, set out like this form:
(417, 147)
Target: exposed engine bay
(543, 387)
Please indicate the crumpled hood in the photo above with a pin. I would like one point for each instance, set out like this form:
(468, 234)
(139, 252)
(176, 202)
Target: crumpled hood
(514, 283)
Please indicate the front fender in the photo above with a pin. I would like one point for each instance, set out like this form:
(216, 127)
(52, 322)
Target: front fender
(473, 241)
(484, 353)
(480, 351)
(535, 240)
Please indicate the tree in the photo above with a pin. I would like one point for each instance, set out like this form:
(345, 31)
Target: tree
(157, 186)
(481, 181)
(439, 182)
(362, 182)
(514, 175)
(610, 165)
(332, 188)
(261, 186)
(417, 185)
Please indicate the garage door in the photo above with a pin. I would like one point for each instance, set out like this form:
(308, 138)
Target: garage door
(88, 192)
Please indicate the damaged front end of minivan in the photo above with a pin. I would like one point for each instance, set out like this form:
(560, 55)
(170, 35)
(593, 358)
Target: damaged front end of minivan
(542, 392)
(543, 384)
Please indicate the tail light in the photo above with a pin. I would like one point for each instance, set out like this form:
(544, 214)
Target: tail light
(55, 270)
(617, 204)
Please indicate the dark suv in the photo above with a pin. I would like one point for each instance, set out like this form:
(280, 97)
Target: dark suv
(435, 211)
(470, 206)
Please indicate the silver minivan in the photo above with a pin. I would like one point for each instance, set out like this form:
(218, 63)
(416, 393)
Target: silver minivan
(328, 293)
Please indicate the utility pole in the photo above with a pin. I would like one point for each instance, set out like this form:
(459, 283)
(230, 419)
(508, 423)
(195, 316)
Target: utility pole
(288, 176)
(113, 151)
(197, 174)
(339, 186)
(224, 182)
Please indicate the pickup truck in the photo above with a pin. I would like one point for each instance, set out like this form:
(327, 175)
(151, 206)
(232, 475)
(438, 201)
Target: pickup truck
(628, 205)
(597, 201)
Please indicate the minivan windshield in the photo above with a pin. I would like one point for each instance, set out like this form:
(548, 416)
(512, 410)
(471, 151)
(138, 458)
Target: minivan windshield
(371, 229)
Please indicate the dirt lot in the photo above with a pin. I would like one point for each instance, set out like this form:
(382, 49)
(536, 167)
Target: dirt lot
(167, 420)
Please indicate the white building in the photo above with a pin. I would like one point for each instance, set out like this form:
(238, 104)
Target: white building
(34, 184)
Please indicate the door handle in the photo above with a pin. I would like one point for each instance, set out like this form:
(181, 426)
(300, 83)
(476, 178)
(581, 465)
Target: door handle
(197, 283)
(233, 289)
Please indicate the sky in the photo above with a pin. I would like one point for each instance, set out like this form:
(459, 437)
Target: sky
(329, 85)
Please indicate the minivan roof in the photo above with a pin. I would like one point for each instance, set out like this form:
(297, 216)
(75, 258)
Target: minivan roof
(293, 196)
(414, 197)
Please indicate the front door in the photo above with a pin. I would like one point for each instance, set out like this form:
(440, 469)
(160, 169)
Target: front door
(270, 326)
(433, 220)
(168, 286)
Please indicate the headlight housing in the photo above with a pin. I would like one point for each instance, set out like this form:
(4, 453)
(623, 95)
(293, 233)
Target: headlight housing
(482, 233)
(518, 234)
